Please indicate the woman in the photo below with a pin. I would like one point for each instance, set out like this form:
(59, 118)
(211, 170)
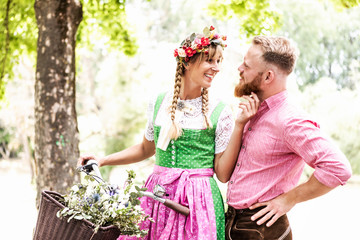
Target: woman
(188, 133)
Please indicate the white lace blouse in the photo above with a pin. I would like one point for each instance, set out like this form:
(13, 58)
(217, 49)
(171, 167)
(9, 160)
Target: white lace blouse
(193, 120)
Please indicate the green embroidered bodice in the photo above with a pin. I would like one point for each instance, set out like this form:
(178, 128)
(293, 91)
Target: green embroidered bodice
(195, 148)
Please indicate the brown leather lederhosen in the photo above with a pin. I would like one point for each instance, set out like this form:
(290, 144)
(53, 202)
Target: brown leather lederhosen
(240, 226)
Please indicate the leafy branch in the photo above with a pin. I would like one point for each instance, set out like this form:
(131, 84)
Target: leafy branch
(6, 47)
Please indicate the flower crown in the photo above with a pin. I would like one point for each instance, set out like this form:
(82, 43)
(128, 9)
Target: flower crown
(198, 43)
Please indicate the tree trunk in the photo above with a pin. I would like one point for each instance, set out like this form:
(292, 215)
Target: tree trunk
(56, 132)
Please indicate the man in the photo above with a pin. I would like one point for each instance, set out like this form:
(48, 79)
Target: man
(276, 143)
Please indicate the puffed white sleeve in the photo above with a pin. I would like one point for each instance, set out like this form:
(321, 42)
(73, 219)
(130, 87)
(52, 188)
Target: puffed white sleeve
(224, 129)
(149, 131)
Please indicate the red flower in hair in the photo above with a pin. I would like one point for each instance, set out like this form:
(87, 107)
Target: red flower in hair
(197, 44)
(205, 41)
(190, 52)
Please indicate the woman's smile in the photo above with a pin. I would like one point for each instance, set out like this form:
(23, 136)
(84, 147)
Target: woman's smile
(210, 76)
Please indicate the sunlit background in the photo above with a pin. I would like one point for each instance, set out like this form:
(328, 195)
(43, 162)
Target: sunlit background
(113, 91)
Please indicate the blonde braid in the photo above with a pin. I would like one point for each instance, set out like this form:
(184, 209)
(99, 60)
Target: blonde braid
(205, 106)
(175, 130)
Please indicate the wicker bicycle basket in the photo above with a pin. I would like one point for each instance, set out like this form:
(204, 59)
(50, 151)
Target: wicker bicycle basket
(50, 227)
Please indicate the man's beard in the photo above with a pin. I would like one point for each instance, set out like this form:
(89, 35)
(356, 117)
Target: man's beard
(247, 88)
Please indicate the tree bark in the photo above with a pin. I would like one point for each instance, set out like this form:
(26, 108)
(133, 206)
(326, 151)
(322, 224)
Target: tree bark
(56, 131)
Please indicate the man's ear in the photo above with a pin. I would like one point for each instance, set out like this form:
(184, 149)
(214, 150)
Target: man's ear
(269, 76)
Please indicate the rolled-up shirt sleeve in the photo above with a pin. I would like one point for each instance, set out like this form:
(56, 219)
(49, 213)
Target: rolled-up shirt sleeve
(304, 137)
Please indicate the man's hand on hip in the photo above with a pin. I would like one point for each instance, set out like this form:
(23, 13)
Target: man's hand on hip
(272, 210)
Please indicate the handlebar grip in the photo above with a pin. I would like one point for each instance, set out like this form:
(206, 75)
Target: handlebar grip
(177, 207)
(90, 161)
(94, 165)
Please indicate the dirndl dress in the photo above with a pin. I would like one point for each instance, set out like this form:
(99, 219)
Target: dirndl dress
(185, 169)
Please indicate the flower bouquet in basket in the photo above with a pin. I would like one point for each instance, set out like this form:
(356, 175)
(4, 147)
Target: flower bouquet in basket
(104, 204)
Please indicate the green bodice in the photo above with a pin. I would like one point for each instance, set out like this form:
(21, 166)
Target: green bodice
(195, 148)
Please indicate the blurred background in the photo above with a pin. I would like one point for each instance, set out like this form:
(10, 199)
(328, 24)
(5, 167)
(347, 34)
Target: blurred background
(113, 87)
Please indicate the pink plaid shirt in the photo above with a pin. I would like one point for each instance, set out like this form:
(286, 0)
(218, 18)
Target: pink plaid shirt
(277, 142)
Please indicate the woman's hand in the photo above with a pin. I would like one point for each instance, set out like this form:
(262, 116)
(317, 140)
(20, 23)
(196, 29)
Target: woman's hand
(84, 158)
(247, 109)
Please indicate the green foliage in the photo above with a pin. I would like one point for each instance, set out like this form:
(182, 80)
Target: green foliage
(328, 43)
(5, 138)
(106, 21)
(102, 20)
(104, 205)
(255, 17)
(170, 20)
(18, 23)
(9, 145)
(341, 4)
